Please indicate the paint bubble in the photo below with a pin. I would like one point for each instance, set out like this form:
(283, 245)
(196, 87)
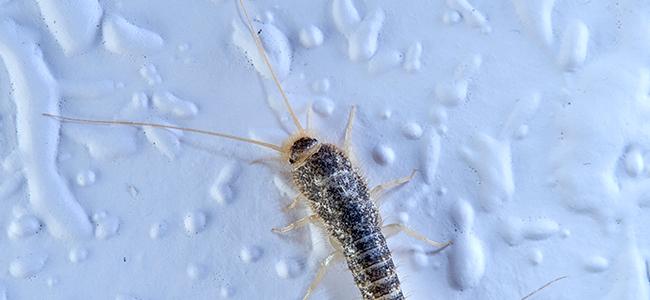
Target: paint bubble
(383, 155)
(194, 222)
(311, 37)
(250, 254)
(412, 130)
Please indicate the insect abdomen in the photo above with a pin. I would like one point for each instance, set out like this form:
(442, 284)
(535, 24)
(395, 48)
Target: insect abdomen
(373, 269)
(338, 194)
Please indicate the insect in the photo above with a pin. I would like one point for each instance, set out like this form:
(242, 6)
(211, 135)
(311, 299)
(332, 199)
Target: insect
(335, 191)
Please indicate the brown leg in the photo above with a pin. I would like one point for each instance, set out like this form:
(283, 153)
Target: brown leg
(336, 255)
(393, 229)
(293, 203)
(348, 130)
(297, 224)
(377, 191)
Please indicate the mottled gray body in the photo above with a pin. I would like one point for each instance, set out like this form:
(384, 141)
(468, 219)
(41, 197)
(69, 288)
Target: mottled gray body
(339, 195)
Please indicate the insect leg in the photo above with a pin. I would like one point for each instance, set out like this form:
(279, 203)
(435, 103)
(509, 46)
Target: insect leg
(336, 255)
(309, 115)
(297, 224)
(376, 192)
(295, 202)
(348, 130)
(393, 229)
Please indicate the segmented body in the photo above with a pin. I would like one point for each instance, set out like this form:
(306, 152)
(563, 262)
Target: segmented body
(339, 195)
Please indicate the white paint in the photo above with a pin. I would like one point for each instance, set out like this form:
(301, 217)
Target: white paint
(226, 292)
(430, 156)
(412, 130)
(522, 112)
(165, 140)
(85, 89)
(451, 17)
(194, 222)
(36, 91)
(103, 143)
(596, 264)
(453, 90)
(123, 37)
(126, 297)
(452, 93)
(473, 16)
(74, 24)
(634, 162)
(158, 230)
(363, 42)
(196, 271)
(573, 48)
(491, 158)
(78, 254)
(385, 114)
(516, 230)
(51, 282)
(323, 106)
(521, 132)
(23, 226)
(320, 86)
(467, 260)
(276, 43)
(536, 16)
(383, 154)
(536, 257)
(223, 188)
(86, 178)
(361, 34)
(170, 104)
(403, 217)
(311, 36)
(420, 258)
(288, 268)
(576, 167)
(11, 163)
(150, 74)
(345, 15)
(384, 61)
(555, 96)
(439, 118)
(11, 185)
(106, 226)
(250, 254)
(412, 58)
(27, 265)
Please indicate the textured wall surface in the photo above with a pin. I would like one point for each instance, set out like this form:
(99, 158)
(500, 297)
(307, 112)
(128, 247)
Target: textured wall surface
(527, 122)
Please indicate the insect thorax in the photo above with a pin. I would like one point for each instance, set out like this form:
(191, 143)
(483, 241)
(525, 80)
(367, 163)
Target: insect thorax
(336, 192)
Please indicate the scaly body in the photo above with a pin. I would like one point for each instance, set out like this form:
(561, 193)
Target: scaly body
(339, 196)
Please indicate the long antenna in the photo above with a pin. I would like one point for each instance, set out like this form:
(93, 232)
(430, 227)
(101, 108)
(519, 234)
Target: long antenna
(137, 124)
(543, 287)
(260, 48)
